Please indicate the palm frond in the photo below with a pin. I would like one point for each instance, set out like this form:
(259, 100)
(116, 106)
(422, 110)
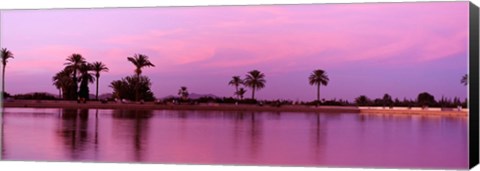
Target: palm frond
(318, 77)
(6, 54)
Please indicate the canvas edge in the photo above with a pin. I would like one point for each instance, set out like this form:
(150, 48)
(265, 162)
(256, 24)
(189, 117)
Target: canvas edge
(473, 70)
(473, 85)
(1, 104)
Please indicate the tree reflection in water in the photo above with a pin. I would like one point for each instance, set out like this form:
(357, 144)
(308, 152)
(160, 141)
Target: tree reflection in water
(255, 135)
(96, 134)
(238, 117)
(2, 133)
(133, 125)
(225, 137)
(319, 136)
(74, 131)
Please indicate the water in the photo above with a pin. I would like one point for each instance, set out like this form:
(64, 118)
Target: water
(235, 138)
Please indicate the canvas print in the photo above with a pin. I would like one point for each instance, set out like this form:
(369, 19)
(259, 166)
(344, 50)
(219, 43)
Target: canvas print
(376, 85)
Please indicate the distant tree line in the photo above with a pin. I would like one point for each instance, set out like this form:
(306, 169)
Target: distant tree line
(74, 79)
(423, 99)
(35, 96)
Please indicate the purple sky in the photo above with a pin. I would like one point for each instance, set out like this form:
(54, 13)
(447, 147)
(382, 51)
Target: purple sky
(366, 49)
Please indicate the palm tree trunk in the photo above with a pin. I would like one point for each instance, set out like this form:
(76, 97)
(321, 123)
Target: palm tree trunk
(136, 87)
(75, 85)
(3, 81)
(236, 91)
(63, 93)
(318, 93)
(253, 92)
(97, 89)
(96, 131)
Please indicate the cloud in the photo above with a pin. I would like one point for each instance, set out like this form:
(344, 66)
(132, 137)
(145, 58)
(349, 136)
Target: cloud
(45, 58)
(235, 39)
(359, 32)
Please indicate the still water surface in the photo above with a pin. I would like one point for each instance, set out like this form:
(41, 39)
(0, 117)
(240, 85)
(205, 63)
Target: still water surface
(235, 138)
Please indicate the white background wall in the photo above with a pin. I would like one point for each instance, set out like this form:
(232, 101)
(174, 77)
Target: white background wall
(15, 4)
(22, 4)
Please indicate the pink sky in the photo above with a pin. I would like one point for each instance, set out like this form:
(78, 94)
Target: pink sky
(366, 49)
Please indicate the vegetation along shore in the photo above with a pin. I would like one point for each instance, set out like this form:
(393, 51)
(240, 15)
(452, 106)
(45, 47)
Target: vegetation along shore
(237, 107)
(135, 92)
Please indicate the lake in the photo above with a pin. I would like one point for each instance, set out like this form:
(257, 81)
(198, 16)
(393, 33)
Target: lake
(235, 138)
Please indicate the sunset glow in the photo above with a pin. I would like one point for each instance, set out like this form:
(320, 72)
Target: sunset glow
(366, 49)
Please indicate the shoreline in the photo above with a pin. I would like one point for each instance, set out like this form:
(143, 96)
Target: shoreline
(232, 107)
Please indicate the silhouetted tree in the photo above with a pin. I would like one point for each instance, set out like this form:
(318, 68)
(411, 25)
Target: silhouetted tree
(98, 67)
(318, 77)
(183, 93)
(236, 81)
(240, 93)
(377, 102)
(120, 89)
(74, 62)
(85, 79)
(464, 80)
(5, 94)
(362, 100)
(397, 102)
(425, 99)
(387, 100)
(123, 88)
(64, 82)
(255, 80)
(35, 96)
(6, 54)
(140, 61)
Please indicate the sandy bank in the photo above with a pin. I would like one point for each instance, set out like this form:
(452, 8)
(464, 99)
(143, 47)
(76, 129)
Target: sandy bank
(414, 112)
(152, 106)
(229, 107)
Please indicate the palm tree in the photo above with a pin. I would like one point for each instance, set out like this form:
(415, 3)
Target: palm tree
(425, 99)
(236, 81)
(119, 88)
(318, 77)
(122, 89)
(63, 79)
(85, 78)
(255, 80)
(240, 93)
(5, 55)
(387, 100)
(183, 92)
(98, 67)
(464, 80)
(74, 62)
(140, 61)
(362, 100)
(58, 85)
(62, 82)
